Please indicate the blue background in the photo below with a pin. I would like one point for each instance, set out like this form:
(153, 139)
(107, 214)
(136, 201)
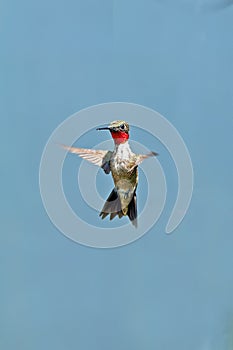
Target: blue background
(161, 292)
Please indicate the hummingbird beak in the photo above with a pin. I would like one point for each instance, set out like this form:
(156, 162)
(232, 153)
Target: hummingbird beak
(104, 128)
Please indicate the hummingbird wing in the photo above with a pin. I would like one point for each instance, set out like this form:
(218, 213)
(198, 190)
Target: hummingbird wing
(139, 158)
(97, 157)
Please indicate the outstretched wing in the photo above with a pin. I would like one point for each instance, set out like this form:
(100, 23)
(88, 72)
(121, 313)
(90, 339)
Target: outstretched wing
(141, 157)
(138, 159)
(97, 157)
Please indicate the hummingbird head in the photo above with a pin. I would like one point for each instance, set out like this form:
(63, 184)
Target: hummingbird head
(119, 130)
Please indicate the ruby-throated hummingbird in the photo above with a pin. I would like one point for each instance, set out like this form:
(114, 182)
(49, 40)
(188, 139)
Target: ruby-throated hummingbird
(123, 164)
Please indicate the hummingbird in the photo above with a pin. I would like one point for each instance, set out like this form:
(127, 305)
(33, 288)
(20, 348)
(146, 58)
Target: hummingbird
(122, 163)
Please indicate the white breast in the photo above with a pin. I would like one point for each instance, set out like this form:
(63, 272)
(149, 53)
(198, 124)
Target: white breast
(122, 155)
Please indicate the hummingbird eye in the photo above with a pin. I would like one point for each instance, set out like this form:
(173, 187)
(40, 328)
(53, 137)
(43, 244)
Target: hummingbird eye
(122, 126)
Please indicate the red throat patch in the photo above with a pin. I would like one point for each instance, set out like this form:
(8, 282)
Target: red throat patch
(119, 136)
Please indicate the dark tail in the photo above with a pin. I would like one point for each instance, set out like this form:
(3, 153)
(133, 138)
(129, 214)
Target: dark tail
(112, 206)
(132, 210)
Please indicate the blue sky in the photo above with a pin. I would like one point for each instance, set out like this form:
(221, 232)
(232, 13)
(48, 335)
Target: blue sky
(160, 292)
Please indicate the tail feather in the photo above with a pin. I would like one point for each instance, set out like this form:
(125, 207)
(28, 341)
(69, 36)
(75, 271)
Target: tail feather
(112, 207)
(112, 215)
(132, 210)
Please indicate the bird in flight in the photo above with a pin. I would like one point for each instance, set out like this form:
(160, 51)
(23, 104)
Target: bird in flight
(122, 163)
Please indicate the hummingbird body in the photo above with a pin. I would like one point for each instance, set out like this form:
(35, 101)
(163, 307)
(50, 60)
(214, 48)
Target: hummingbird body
(125, 175)
(123, 165)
